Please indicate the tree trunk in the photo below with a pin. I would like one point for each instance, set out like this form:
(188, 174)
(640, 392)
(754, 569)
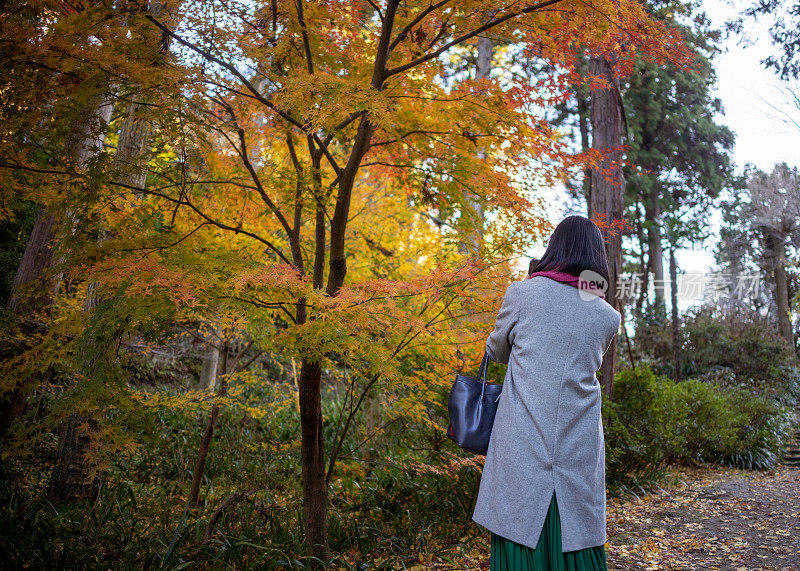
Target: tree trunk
(607, 188)
(315, 488)
(73, 466)
(38, 257)
(776, 250)
(36, 260)
(676, 326)
(130, 158)
(473, 240)
(483, 63)
(129, 165)
(337, 265)
(208, 374)
(372, 421)
(656, 253)
(86, 140)
(208, 435)
(73, 479)
(644, 264)
(584, 116)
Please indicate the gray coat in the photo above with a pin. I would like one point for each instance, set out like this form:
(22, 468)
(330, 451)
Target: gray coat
(548, 432)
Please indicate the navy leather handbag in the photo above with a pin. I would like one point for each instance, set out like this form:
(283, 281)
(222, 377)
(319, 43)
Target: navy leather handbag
(472, 406)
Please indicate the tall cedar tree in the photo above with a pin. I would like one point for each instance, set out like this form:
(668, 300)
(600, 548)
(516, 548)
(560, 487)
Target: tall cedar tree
(678, 156)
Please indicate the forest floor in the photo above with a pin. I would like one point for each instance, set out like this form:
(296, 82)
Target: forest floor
(715, 519)
(720, 518)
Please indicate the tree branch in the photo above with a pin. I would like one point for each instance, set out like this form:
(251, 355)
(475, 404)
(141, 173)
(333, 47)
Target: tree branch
(421, 16)
(232, 69)
(488, 26)
(298, 4)
(206, 217)
(242, 151)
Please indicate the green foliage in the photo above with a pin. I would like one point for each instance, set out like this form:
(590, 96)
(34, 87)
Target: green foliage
(384, 513)
(678, 156)
(75, 366)
(629, 426)
(654, 420)
(730, 348)
(398, 497)
(745, 344)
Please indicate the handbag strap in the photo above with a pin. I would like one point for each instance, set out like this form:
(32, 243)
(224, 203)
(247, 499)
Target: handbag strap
(482, 369)
(482, 372)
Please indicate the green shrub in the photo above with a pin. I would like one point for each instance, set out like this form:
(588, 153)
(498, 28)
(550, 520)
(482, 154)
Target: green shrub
(762, 431)
(412, 498)
(629, 424)
(694, 417)
(654, 420)
(727, 346)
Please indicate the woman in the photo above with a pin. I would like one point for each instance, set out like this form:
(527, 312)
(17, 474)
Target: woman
(542, 493)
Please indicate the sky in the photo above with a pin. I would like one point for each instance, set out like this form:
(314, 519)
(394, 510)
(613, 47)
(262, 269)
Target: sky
(748, 92)
(746, 89)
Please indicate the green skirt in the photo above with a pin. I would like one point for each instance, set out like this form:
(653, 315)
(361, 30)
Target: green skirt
(507, 555)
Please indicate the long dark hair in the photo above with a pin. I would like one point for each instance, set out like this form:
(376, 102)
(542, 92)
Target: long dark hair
(575, 245)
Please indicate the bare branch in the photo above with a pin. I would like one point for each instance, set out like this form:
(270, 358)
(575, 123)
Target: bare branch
(376, 8)
(206, 217)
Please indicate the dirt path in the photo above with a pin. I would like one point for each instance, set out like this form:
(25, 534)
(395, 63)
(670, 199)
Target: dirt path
(721, 518)
(715, 519)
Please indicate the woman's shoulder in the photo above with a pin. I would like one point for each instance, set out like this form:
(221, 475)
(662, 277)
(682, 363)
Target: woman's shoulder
(541, 286)
(537, 285)
(614, 316)
(607, 313)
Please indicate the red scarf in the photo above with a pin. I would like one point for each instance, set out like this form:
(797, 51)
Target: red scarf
(569, 279)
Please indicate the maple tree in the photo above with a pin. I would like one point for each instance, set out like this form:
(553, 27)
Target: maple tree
(285, 139)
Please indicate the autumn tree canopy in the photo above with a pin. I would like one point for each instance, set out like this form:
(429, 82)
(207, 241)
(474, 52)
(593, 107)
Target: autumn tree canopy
(283, 169)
